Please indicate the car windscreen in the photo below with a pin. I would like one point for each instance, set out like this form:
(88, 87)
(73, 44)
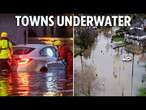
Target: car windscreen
(22, 50)
(49, 52)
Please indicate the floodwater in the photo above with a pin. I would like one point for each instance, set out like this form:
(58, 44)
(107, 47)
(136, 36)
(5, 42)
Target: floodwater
(52, 83)
(114, 76)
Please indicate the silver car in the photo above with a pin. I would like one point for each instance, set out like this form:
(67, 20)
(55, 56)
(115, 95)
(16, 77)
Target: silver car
(32, 57)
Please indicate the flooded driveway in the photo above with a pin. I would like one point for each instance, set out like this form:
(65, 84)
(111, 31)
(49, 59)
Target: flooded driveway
(114, 76)
(52, 83)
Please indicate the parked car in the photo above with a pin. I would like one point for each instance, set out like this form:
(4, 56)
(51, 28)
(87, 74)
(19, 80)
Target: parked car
(138, 28)
(32, 57)
(127, 59)
(94, 27)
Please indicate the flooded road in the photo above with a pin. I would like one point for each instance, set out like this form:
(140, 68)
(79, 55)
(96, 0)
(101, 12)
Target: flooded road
(52, 83)
(114, 76)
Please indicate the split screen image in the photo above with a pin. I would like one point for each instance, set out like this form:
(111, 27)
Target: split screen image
(75, 60)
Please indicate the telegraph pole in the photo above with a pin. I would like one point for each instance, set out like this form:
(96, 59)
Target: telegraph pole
(132, 73)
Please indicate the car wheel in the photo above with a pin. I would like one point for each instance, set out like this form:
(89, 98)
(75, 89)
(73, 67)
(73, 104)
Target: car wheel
(44, 69)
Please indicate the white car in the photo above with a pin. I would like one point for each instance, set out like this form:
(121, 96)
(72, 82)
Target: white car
(127, 59)
(139, 28)
(32, 57)
(94, 27)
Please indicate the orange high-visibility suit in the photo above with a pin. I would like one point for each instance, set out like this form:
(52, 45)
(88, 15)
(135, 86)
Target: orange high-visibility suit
(64, 52)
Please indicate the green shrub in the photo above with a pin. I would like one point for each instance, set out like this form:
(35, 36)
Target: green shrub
(142, 91)
(119, 36)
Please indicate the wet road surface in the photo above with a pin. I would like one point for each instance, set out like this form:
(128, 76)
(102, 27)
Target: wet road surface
(115, 77)
(52, 83)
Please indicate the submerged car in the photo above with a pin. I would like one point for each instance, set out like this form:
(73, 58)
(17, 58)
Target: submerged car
(32, 57)
(127, 59)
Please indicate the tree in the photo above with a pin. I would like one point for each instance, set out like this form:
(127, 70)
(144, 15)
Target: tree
(84, 79)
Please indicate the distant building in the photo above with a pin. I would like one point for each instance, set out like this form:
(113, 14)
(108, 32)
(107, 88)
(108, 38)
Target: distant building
(8, 24)
(21, 34)
(144, 24)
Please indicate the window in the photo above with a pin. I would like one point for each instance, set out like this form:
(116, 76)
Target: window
(48, 52)
(22, 50)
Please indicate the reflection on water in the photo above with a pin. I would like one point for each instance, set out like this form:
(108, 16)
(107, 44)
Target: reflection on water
(3, 87)
(52, 83)
(23, 84)
(53, 86)
(112, 71)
